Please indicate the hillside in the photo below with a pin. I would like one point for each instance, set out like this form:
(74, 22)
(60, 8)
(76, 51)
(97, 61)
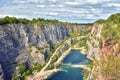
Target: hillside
(105, 60)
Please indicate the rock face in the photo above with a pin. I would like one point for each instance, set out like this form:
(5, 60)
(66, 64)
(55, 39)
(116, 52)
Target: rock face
(93, 43)
(15, 41)
(1, 73)
(102, 51)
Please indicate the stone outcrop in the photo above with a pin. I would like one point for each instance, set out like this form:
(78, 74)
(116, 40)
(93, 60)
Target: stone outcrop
(93, 43)
(94, 49)
(1, 73)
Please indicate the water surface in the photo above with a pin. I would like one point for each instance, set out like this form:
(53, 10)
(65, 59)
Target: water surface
(70, 73)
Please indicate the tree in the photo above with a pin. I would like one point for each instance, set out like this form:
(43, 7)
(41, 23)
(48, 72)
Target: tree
(23, 20)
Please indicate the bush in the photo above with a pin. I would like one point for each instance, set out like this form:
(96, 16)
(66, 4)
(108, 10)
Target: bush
(111, 32)
(111, 67)
(36, 67)
(84, 33)
(83, 42)
(22, 67)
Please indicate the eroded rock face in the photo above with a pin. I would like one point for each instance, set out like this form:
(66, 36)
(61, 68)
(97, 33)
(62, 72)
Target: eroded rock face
(93, 44)
(15, 40)
(1, 73)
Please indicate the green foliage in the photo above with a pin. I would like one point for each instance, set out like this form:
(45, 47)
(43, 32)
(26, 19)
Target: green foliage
(111, 28)
(100, 21)
(47, 59)
(31, 45)
(8, 20)
(115, 18)
(42, 21)
(40, 49)
(55, 58)
(83, 42)
(23, 20)
(51, 66)
(27, 72)
(111, 67)
(38, 21)
(91, 64)
(13, 20)
(83, 33)
(16, 78)
(100, 43)
(74, 34)
(23, 71)
(111, 32)
(85, 73)
(74, 42)
(22, 67)
(37, 67)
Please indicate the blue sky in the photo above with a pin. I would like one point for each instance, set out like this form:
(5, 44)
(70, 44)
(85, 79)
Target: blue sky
(80, 11)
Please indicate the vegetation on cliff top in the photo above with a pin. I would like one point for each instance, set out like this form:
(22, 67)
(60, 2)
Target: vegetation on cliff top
(39, 21)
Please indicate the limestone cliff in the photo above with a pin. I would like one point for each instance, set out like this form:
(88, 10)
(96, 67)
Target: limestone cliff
(94, 48)
(17, 40)
(1, 73)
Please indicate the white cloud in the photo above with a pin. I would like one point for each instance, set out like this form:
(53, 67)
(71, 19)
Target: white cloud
(53, 13)
(71, 10)
(52, 0)
(21, 1)
(61, 6)
(17, 16)
(72, 3)
(36, 1)
(113, 5)
(40, 6)
(52, 5)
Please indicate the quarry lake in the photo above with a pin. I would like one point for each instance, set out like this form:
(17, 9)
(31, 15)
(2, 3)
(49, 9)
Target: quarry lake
(75, 57)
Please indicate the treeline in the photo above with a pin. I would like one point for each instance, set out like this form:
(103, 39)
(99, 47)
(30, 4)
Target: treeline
(114, 18)
(14, 20)
(39, 21)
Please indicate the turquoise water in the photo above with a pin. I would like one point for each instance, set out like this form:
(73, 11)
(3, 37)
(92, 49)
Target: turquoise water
(75, 57)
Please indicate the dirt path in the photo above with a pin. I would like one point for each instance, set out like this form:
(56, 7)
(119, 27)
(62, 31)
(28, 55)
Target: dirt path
(62, 56)
(42, 75)
(43, 69)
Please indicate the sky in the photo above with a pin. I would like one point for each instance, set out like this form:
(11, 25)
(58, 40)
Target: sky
(77, 11)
